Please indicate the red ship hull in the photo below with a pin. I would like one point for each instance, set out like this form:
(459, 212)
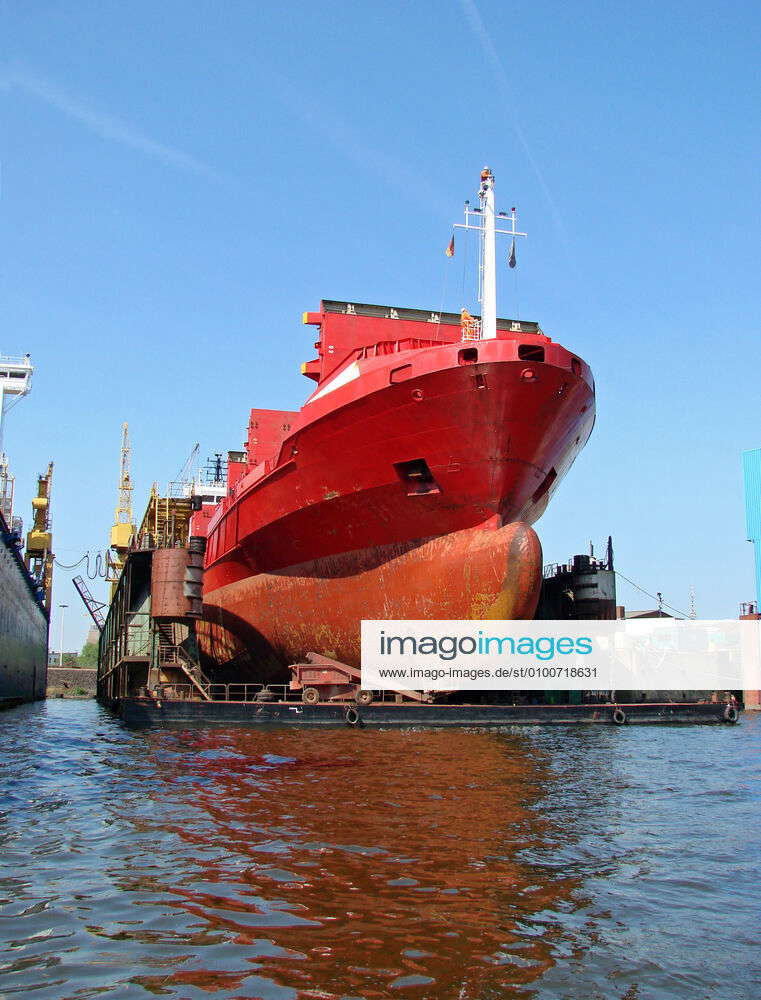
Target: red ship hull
(478, 573)
(389, 493)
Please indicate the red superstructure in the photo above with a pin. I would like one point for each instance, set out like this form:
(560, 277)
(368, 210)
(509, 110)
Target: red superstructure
(405, 485)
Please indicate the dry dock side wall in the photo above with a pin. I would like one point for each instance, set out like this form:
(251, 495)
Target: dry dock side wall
(72, 682)
(23, 635)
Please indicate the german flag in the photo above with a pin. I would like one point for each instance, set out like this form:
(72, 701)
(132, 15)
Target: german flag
(450, 249)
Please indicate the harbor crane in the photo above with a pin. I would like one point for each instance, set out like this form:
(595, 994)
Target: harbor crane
(123, 528)
(39, 541)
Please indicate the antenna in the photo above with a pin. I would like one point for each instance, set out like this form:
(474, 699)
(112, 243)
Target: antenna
(482, 221)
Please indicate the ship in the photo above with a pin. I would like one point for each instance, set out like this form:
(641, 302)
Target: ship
(25, 577)
(407, 484)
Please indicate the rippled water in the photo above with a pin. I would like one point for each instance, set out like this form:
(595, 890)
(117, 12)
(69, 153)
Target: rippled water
(578, 863)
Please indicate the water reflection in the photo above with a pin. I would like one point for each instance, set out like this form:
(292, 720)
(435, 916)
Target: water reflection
(577, 863)
(370, 861)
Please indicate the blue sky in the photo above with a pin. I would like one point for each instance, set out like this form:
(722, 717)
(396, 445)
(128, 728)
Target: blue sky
(181, 180)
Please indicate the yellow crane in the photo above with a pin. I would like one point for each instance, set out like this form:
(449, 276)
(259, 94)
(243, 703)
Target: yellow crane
(39, 541)
(123, 528)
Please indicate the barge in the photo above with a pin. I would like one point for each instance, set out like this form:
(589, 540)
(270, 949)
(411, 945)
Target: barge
(153, 670)
(154, 709)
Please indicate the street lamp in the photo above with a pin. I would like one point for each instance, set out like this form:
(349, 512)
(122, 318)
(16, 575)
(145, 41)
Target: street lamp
(60, 648)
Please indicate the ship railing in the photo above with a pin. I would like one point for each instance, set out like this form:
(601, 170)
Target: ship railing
(554, 569)
(171, 691)
(242, 692)
(471, 329)
(146, 540)
(14, 360)
(169, 653)
(180, 489)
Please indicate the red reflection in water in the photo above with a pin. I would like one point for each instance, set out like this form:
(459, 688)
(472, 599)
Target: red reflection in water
(373, 864)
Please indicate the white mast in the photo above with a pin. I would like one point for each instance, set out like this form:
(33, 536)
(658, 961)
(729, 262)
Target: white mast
(483, 221)
(488, 296)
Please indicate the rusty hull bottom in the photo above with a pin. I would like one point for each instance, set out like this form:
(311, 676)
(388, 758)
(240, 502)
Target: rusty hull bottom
(488, 572)
(145, 712)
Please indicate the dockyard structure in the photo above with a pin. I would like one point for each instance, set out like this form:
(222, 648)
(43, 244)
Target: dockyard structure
(25, 580)
(149, 640)
(24, 624)
(583, 588)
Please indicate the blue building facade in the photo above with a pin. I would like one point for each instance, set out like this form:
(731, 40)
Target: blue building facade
(752, 477)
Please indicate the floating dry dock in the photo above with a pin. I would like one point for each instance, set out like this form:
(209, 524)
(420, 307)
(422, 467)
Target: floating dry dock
(149, 711)
(153, 669)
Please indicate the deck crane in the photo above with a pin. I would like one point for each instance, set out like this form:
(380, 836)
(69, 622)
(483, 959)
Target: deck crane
(123, 528)
(186, 475)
